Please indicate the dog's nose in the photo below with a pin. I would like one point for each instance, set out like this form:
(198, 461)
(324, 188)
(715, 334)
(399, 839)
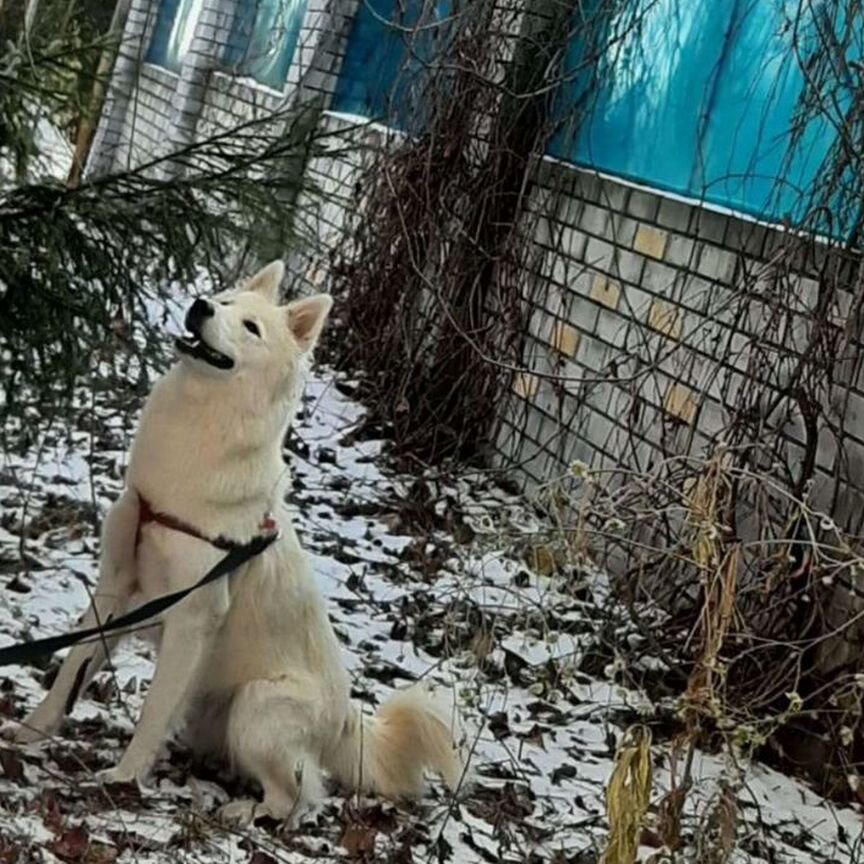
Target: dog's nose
(198, 313)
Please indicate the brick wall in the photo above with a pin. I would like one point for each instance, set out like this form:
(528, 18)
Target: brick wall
(113, 142)
(148, 114)
(150, 110)
(640, 343)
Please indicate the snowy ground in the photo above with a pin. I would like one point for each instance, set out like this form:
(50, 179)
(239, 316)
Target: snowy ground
(424, 579)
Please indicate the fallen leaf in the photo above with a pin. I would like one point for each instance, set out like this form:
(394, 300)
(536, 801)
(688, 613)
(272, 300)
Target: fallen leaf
(10, 851)
(122, 794)
(52, 819)
(541, 559)
(71, 845)
(18, 585)
(514, 666)
(650, 838)
(101, 853)
(563, 772)
(357, 839)
(12, 766)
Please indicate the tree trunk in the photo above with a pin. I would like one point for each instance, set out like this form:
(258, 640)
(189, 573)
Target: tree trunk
(90, 117)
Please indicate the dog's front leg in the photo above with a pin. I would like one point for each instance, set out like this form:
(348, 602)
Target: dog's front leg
(185, 642)
(111, 597)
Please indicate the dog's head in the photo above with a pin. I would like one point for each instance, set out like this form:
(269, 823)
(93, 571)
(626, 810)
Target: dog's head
(245, 334)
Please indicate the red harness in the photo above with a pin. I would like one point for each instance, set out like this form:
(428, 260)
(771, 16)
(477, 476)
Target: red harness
(238, 555)
(146, 515)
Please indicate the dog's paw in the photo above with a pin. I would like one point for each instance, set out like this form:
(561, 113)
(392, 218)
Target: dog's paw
(121, 776)
(246, 812)
(304, 813)
(239, 813)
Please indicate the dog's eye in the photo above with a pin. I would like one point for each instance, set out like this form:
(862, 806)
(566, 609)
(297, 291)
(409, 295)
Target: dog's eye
(252, 327)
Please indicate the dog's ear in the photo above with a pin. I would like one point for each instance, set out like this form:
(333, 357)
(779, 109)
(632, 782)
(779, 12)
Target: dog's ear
(266, 281)
(306, 317)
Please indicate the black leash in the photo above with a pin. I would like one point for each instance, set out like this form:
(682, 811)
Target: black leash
(26, 652)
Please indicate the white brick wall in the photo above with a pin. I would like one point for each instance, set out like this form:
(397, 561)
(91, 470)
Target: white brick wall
(112, 142)
(633, 280)
(150, 111)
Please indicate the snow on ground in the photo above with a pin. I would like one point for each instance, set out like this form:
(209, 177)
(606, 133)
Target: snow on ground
(52, 156)
(424, 580)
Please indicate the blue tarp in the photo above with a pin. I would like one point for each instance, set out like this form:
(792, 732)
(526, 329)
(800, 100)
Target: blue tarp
(695, 97)
(699, 99)
(386, 56)
(692, 96)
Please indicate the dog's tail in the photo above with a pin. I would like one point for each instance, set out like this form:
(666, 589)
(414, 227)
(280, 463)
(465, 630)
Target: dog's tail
(387, 753)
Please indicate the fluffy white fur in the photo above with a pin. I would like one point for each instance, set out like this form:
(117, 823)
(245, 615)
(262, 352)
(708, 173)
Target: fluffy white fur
(248, 667)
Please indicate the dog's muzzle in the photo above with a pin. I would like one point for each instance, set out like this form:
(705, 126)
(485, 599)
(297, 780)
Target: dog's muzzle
(193, 344)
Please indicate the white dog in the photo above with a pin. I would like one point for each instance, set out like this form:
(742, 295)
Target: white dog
(249, 665)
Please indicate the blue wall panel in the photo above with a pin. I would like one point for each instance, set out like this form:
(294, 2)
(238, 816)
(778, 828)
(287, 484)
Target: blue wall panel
(371, 62)
(699, 99)
(746, 144)
(645, 121)
(385, 61)
(172, 33)
(263, 39)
